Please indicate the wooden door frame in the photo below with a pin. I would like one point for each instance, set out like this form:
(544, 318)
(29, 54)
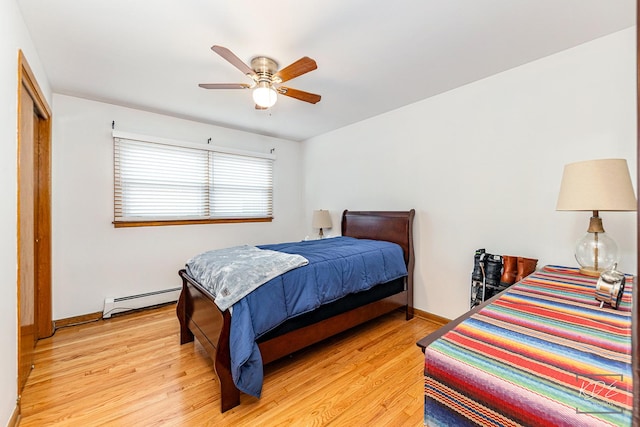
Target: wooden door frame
(42, 205)
(635, 335)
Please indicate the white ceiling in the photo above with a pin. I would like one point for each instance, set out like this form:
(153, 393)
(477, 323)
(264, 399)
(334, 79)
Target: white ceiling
(373, 56)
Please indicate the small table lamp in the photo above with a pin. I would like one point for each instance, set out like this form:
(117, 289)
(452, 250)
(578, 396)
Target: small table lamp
(596, 185)
(321, 219)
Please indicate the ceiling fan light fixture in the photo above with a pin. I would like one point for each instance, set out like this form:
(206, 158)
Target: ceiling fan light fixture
(264, 95)
(267, 78)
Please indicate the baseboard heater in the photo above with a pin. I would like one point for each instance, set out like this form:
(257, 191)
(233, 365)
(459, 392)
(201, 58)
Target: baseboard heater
(134, 302)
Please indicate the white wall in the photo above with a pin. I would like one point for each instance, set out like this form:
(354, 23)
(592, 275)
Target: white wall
(92, 260)
(482, 164)
(13, 36)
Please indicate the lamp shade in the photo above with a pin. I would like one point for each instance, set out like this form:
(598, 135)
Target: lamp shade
(321, 219)
(596, 185)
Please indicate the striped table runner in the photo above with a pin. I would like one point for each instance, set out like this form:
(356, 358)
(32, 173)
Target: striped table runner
(544, 353)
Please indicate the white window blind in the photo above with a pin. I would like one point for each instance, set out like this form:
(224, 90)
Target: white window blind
(160, 181)
(241, 185)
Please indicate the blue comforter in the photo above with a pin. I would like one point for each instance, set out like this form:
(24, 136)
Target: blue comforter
(337, 267)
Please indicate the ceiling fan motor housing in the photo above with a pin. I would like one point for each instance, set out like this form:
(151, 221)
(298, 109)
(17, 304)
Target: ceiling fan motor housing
(265, 68)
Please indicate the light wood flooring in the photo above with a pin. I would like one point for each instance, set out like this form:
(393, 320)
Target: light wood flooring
(132, 371)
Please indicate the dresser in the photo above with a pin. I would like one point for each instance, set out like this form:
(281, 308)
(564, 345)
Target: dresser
(543, 352)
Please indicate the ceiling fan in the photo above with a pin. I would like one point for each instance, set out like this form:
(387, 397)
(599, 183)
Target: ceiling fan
(267, 79)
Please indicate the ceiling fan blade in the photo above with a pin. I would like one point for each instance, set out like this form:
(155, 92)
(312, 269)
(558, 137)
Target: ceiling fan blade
(299, 94)
(224, 85)
(233, 59)
(298, 68)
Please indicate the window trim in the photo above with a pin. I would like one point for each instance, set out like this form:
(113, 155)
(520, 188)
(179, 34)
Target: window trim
(156, 223)
(208, 147)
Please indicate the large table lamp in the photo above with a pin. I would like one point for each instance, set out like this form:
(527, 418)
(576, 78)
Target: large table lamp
(596, 185)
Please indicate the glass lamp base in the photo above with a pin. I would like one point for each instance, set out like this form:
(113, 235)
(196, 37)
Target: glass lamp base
(595, 253)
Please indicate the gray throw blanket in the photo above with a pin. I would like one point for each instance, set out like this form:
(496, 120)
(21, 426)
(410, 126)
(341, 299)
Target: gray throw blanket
(232, 273)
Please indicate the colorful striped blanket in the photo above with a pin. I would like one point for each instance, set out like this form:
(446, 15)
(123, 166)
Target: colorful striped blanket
(543, 353)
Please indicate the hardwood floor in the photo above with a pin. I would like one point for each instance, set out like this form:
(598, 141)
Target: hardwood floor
(131, 370)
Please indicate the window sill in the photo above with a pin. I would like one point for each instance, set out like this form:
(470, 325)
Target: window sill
(157, 223)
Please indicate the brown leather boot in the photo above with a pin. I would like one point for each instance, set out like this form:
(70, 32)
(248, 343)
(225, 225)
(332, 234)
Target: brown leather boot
(509, 271)
(526, 266)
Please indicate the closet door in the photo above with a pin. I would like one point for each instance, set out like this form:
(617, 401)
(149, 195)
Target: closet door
(26, 236)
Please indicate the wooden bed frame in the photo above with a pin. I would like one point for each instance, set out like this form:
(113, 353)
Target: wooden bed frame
(200, 317)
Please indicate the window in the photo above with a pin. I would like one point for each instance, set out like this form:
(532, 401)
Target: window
(158, 182)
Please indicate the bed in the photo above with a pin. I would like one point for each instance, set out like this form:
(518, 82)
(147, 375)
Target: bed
(543, 352)
(201, 318)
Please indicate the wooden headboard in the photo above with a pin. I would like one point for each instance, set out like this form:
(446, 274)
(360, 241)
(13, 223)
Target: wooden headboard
(392, 226)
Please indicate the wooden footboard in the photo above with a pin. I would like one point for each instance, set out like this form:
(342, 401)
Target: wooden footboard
(199, 316)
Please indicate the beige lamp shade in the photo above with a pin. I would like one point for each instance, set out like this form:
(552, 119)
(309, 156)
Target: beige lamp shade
(597, 185)
(321, 219)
